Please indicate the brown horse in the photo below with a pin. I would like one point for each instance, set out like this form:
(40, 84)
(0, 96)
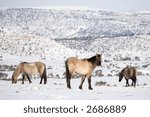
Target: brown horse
(128, 72)
(83, 67)
(27, 69)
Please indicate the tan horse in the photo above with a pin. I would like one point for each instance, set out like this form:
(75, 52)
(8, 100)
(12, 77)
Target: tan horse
(27, 69)
(83, 67)
(128, 72)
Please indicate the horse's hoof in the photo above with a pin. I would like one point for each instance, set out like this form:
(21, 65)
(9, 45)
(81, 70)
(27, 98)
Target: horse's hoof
(69, 87)
(91, 88)
(80, 88)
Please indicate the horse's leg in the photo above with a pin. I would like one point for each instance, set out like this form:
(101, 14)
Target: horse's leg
(134, 81)
(28, 78)
(68, 75)
(43, 76)
(68, 80)
(45, 80)
(41, 79)
(82, 81)
(127, 83)
(23, 77)
(89, 81)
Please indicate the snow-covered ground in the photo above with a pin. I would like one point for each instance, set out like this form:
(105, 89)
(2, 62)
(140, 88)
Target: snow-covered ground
(56, 89)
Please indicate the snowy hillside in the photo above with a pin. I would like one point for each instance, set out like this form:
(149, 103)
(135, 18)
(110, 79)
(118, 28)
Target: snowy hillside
(73, 23)
(130, 32)
(60, 34)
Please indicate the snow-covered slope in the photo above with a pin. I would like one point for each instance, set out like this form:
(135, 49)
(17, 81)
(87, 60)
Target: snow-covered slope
(73, 23)
(54, 35)
(21, 29)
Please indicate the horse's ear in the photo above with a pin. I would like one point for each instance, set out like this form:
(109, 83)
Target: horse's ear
(97, 55)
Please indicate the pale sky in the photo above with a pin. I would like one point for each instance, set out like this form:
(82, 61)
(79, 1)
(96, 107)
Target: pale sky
(107, 5)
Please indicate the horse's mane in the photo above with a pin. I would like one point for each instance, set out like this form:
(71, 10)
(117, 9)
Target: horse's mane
(122, 70)
(127, 67)
(23, 62)
(92, 59)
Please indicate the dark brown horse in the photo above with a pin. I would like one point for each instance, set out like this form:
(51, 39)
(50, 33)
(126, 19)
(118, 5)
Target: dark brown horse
(83, 67)
(128, 72)
(27, 69)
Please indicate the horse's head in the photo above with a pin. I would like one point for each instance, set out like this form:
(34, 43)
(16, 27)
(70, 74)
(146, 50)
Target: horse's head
(98, 59)
(16, 73)
(14, 78)
(120, 76)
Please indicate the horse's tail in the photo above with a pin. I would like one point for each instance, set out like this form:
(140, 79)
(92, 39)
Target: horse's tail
(68, 76)
(67, 70)
(45, 75)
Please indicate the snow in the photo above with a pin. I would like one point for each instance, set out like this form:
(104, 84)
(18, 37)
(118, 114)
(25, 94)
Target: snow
(75, 23)
(53, 35)
(56, 89)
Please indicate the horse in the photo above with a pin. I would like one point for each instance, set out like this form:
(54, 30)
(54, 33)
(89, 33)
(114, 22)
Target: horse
(128, 72)
(84, 67)
(27, 69)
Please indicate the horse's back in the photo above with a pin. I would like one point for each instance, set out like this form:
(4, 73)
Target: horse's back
(76, 61)
(80, 66)
(130, 71)
(134, 71)
(40, 64)
(33, 67)
(72, 60)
